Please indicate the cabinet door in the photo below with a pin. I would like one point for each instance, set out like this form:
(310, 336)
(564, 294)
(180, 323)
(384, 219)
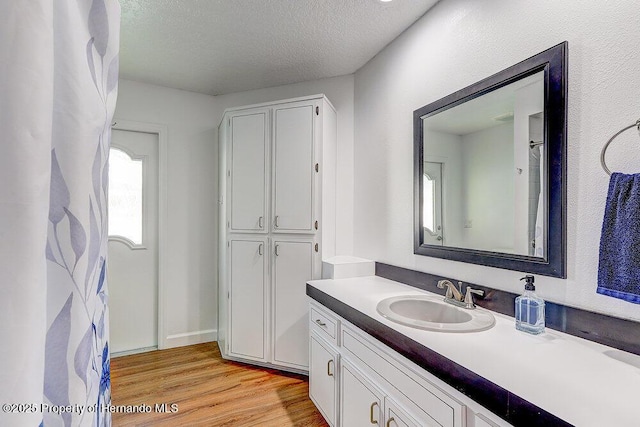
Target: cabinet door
(360, 400)
(293, 262)
(482, 421)
(247, 298)
(397, 417)
(323, 382)
(249, 171)
(293, 168)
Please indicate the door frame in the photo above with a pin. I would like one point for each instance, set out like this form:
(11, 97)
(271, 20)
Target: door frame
(161, 131)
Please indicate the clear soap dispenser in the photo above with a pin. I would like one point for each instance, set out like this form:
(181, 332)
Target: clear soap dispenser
(530, 309)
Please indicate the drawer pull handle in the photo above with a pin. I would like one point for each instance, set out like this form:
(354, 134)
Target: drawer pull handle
(389, 421)
(371, 413)
(320, 322)
(329, 373)
(260, 249)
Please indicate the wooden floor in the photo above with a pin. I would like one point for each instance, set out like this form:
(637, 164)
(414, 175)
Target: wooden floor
(208, 391)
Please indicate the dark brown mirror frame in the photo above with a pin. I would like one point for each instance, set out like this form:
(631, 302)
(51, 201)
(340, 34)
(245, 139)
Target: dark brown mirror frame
(553, 62)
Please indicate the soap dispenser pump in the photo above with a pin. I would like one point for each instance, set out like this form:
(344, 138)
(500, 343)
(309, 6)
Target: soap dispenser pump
(530, 309)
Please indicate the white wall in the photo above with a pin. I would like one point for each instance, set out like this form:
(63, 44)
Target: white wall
(339, 90)
(488, 189)
(459, 42)
(190, 312)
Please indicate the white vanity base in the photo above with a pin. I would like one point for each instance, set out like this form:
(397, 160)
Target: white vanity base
(573, 379)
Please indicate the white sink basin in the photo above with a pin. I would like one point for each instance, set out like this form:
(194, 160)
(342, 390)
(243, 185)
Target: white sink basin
(433, 314)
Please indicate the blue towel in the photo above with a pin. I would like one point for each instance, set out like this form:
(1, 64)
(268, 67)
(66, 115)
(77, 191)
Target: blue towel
(619, 267)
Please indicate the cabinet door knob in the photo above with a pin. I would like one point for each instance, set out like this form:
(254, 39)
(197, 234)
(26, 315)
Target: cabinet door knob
(329, 367)
(371, 413)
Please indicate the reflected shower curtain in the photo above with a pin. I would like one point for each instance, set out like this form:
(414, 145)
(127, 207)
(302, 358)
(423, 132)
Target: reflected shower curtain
(58, 87)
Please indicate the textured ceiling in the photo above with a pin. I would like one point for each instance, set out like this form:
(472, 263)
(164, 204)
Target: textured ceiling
(225, 46)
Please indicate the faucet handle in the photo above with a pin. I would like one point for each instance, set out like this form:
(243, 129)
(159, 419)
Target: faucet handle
(468, 297)
(452, 292)
(442, 284)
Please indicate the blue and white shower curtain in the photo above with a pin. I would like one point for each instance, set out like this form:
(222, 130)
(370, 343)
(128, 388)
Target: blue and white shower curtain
(58, 88)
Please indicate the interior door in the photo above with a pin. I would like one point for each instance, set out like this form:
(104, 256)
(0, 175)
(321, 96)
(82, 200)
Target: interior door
(292, 270)
(294, 168)
(249, 171)
(133, 241)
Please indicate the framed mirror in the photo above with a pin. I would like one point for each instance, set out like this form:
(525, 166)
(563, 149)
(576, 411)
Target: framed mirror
(490, 170)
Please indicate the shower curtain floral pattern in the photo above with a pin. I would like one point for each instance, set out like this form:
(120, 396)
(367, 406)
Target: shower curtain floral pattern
(77, 345)
(82, 90)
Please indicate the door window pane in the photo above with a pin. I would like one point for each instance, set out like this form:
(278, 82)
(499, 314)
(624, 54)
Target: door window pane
(125, 196)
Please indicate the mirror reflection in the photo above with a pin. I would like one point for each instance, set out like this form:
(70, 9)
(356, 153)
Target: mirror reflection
(484, 172)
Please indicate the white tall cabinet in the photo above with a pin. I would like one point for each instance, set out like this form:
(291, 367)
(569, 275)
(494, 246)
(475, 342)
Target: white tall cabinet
(277, 222)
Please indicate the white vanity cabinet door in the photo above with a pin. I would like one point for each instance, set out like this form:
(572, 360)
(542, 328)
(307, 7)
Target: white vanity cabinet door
(247, 291)
(249, 171)
(293, 160)
(323, 375)
(360, 401)
(427, 402)
(292, 269)
(482, 421)
(397, 417)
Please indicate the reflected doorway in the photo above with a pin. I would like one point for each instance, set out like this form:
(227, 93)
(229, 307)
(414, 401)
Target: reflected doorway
(432, 204)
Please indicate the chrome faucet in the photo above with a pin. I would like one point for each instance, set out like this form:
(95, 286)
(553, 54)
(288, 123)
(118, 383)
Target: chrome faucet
(452, 293)
(454, 296)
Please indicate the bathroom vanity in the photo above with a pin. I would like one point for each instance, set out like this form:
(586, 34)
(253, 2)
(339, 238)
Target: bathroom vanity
(366, 369)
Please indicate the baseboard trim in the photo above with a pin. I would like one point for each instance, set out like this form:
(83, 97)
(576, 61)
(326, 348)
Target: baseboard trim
(134, 351)
(267, 365)
(190, 338)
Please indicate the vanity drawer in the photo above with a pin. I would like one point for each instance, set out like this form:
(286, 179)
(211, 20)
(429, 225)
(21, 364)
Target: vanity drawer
(325, 324)
(424, 396)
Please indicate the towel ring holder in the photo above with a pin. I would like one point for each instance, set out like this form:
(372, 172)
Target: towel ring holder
(604, 149)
